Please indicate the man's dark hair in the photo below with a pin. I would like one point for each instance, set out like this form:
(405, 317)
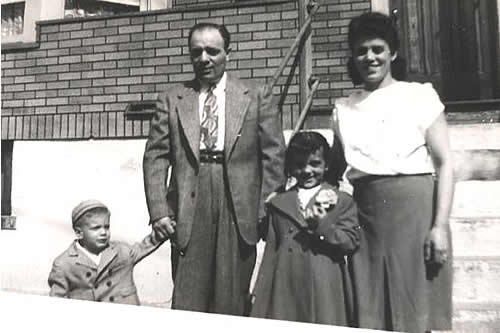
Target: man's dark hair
(208, 25)
(375, 25)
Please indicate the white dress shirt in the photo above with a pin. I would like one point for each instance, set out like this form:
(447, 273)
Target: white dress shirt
(96, 258)
(220, 93)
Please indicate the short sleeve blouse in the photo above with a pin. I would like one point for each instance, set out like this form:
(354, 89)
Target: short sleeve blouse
(383, 132)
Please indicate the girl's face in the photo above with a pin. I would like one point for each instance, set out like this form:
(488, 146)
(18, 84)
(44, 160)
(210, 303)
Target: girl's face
(312, 172)
(372, 58)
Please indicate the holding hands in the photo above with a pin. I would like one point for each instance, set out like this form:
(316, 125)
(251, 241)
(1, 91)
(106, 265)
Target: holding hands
(164, 228)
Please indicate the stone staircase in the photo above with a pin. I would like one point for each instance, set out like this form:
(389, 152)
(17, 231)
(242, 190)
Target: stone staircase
(475, 222)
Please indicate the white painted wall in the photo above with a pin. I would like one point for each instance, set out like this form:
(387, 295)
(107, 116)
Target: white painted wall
(48, 180)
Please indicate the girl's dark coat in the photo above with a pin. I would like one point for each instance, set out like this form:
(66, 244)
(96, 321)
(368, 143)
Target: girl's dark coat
(303, 275)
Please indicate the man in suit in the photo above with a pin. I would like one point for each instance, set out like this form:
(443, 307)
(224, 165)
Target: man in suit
(224, 142)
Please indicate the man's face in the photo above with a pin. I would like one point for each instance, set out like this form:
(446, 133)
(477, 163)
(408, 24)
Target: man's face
(208, 55)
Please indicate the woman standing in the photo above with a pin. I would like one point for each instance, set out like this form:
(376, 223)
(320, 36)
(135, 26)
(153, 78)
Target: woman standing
(395, 140)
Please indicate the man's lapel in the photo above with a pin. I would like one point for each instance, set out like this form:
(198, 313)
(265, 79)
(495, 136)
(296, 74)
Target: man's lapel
(237, 101)
(189, 117)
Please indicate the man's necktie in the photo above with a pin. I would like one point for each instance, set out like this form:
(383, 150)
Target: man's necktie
(209, 120)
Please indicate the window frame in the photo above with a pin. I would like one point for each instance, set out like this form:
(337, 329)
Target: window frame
(7, 152)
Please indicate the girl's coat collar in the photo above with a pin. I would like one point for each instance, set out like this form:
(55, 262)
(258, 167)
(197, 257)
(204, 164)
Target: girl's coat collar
(287, 203)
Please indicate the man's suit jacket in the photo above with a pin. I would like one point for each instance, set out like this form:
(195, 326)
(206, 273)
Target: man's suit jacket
(75, 276)
(253, 155)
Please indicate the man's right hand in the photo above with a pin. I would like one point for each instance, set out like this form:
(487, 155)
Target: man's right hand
(164, 227)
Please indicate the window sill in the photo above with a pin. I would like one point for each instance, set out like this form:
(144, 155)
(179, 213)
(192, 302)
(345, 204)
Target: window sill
(143, 110)
(19, 46)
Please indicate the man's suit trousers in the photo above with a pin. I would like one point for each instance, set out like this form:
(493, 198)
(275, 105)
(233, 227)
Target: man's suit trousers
(213, 273)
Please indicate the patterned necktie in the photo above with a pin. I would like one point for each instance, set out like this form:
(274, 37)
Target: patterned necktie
(209, 120)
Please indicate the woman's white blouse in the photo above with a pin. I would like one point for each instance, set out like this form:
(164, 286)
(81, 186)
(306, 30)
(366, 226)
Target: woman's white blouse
(383, 132)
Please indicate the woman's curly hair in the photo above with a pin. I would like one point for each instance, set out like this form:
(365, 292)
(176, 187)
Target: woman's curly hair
(375, 25)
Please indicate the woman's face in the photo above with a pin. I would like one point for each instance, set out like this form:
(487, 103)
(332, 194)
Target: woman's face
(372, 58)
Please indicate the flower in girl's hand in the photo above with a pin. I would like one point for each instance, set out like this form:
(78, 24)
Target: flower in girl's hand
(311, 218)
(327, 199)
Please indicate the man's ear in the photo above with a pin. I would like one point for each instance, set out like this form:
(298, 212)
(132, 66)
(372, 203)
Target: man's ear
(394, 55)
(228, 50)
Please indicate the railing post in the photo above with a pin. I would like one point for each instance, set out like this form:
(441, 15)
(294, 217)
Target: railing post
(269, 86)
(305, 49)
(313, 84)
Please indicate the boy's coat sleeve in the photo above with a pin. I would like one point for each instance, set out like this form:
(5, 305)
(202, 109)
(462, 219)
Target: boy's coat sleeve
(57, 281)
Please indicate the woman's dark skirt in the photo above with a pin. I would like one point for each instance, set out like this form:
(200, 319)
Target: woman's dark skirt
(395, 288)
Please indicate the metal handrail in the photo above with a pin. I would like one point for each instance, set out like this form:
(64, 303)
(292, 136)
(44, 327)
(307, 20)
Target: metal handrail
(307, 106)
(313, 9)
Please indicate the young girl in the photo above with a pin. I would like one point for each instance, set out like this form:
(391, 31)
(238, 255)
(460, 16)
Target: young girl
(312, 226)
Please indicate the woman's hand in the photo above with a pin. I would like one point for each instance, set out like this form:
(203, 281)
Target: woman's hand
(436, 245)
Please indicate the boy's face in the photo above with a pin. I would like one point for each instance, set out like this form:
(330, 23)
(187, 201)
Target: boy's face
(94, 233)
(312, 172)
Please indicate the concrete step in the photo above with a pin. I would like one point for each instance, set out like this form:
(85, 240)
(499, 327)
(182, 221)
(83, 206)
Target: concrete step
(476, 199)
(476, 236)
(476, 317)
(475, 136)
(476, 280)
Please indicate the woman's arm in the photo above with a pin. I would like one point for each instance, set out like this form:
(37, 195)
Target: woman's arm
(437, 141)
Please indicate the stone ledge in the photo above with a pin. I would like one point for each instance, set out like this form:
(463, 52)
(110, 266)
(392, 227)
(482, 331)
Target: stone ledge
(476, 236)
(476, 317)
(476, 280)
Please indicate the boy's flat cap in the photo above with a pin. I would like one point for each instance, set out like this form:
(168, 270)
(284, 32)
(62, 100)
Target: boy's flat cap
(84, 207)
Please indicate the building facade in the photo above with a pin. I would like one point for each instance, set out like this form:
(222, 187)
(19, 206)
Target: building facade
(77, 87)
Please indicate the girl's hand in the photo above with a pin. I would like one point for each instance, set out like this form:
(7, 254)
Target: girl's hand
(436, 245)
(313, 215)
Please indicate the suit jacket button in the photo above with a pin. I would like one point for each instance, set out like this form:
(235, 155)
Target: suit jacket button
(182, 253)
(88, 274)
(108, 283)
(112, 299)
(193, 194)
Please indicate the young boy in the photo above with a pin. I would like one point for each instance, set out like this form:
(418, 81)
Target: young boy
(94, 268)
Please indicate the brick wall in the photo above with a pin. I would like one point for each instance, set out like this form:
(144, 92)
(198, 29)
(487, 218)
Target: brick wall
(80, 79)
(330, 49)
(194, 3)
